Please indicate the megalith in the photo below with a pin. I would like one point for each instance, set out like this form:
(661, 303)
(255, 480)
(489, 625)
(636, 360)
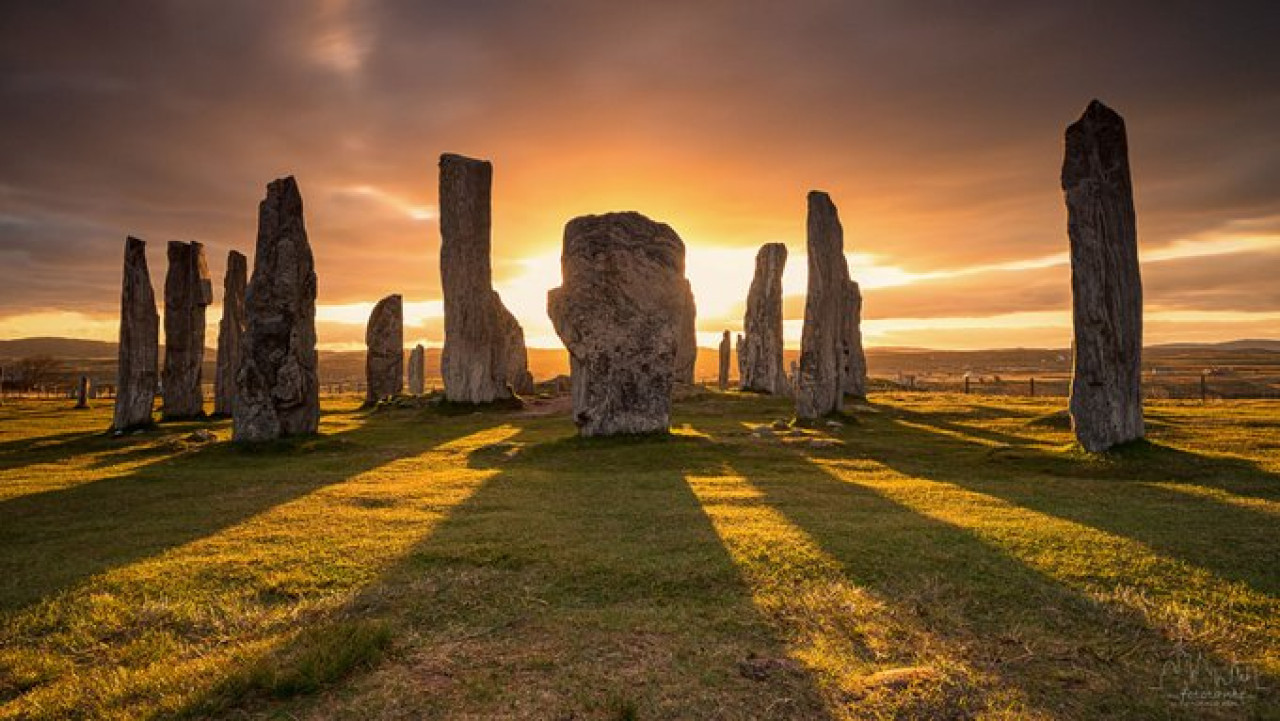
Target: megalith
(82, 393)
(230, 333)
(760, 362)
(726, 353)
(384, 354)
(418, 370)
(1106, 285)
(619, 312)
(484, 357)
(188, 290)
(139, 352)
(278, 389)
(686, 339)
(853, 360)
(825, 343)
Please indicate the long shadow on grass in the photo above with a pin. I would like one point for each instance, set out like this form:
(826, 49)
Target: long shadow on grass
(52, 540)
(28, 451)
(582, 579)
(1058, 648)
(1113, 494)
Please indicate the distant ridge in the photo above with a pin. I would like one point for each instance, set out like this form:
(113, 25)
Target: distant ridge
(1243, 344)
(77, 348)
(57, 347)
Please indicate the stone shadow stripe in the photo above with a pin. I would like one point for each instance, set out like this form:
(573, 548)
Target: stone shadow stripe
(53, 540)
(1005, 594)
(501, 571)
(1123, 503)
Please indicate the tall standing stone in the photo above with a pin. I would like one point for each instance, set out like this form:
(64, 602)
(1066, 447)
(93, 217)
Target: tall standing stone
(484, 357)
(826, 343)
(760, 362)
(230, 334)
(618, 312)
(82, 393)
(1106, 386)
(686, 339)
(418, 370)
(384, 357)
(726, 353)
(278, 389)
(188, 290)
(853, 360)
(136, 374)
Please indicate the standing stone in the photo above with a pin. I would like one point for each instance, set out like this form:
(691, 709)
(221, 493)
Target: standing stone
(825, 345)
(619, 312)
(188, 290)
(418, 370)
(726, 351)
(82, 393)
(686, 339)
(853, 361)
(484, 357)
(1106, 388)
(384, 357)
(278, 390)
(760, 362)
(740, 348)
(230, 334)
(136, 374)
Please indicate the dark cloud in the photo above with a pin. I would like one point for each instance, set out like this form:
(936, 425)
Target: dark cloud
(936, 125)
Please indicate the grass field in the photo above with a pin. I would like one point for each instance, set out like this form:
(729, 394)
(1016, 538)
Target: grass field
(936, 557)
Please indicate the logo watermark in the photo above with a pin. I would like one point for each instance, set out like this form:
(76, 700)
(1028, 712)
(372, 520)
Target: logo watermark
(1193, 680)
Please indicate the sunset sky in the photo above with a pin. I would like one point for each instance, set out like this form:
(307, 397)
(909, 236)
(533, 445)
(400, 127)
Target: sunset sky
(935, 126)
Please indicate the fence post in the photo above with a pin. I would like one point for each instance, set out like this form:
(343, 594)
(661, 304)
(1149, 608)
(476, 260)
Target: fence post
(966, 385)
(1033, 387)
(1204, 389)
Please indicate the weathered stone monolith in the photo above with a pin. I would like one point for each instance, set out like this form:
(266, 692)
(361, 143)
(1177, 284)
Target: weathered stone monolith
(825, 342)
(1106, 387)
(853, 360)
(760, 353)
(230, 334)
(278, 389)
(384, 357)
(686, 340)
(484, 357)
(418, 370)
(619, 312)
(188, 290)
(82, 393)
(137, 373)
(726, 353)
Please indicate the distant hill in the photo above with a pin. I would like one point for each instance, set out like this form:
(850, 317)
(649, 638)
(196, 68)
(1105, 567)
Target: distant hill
(98, 359)
(1244, 344)
(57, 347)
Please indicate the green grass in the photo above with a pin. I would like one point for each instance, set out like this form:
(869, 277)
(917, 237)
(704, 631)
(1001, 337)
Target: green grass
(947, 557)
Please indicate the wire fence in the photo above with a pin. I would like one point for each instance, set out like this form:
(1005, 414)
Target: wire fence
(1189, 386)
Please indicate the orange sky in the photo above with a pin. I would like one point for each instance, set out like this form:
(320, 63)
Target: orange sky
(936, 129)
